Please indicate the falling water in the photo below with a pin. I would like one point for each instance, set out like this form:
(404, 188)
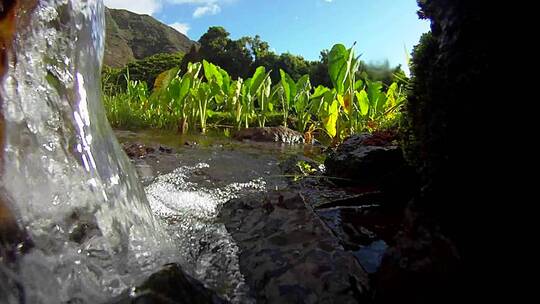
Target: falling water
(72, 189)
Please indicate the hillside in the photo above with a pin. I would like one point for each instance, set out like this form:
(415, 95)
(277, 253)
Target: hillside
(131, 36)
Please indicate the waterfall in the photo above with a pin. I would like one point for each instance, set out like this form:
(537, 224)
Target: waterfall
(68, 184)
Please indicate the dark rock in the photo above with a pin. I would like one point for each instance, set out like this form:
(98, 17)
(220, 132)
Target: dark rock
(423, 266)
(170, 285)
(291, 165)
(363, 164)
(270, 134)
(288, 255)
(138, 150)
(442, 236)
(361, 222)
(164, 149)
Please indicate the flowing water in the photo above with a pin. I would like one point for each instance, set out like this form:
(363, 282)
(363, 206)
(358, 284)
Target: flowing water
(69, 184)
(187, 188)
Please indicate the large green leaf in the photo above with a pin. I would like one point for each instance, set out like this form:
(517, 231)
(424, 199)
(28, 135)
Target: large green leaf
(184, 88)
(391, 95)
(267, 87)
(374, 94)
(358, 85)
(319, 92)
(363, 102)
(163, 79)
(303, 84)
(330, 121)
(346, 102)
(338, 61)
(173, 88)
(212, 73)
(226, 79)
(301, 104)
(246, 85)
(258, 77)
(289, 86)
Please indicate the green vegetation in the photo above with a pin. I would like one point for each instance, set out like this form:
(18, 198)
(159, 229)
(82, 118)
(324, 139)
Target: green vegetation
(207, 93)
(145, 70)
(243, 56)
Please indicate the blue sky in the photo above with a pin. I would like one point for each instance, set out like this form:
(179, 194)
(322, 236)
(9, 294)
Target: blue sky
(381, 28)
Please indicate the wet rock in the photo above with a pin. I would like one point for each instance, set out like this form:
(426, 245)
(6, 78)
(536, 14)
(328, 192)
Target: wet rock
(189, 143)
(139, 150)
(299, 164)
(270, 134)
(164, 149)
(288, 255)
(170, 285)
(360, 222)
(360, 163)
(421, 266)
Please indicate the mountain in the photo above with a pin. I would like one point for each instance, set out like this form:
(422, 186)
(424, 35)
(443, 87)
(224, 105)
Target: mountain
(131, 36)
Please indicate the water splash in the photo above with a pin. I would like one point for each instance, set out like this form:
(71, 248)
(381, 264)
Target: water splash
(190, 210)
(73, 190)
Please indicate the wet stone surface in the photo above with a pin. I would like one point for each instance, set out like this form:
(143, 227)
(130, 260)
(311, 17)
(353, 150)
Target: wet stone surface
(170, 285)
(301, 236)
(362, 160)
(270, 134)
(288, 255)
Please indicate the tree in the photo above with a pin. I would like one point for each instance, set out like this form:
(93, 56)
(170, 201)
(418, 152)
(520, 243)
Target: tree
(318, 73)
(216, 47)
(146, 70)
(257, 47)
(382, 72)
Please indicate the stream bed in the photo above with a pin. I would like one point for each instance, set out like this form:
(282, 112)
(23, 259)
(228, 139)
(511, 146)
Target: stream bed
(251, 228)
(188, 181)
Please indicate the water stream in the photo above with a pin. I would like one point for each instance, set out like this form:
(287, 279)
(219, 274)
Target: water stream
(69, 185)
(187, 188)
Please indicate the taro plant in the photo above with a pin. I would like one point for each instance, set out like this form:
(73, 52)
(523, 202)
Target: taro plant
(258, 91)
(178, 91)
(288, 94)
(352, 105)
(236, 101)
(301, 103)
(204, 97)
(249, 94)
(265, 102)
(326, 108)
(342, 68)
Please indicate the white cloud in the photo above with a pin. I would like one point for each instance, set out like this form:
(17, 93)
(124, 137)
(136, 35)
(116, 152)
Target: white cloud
(137, 6)
(204, 7)
(328, 1)
(150, 7)
(199, 2)
(208, 9)
(181, 27)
